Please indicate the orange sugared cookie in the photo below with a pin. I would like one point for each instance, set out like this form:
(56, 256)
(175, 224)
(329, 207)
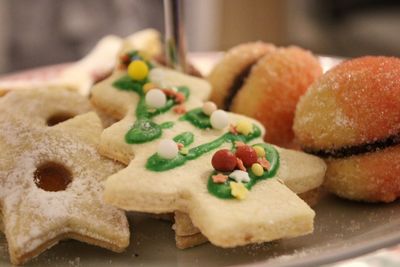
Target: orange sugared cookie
(265, 86)
(351, 115)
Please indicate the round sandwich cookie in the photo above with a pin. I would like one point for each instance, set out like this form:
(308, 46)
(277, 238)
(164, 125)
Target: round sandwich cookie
(264, 82)
(351, 116)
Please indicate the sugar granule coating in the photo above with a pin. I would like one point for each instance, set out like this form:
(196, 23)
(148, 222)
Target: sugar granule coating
(274, 86)
(276, 80)
(356, 102)
(234, 62)
(35, 219)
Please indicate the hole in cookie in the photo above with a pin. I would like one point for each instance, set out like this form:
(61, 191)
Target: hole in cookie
(52, 176)
(58, 118)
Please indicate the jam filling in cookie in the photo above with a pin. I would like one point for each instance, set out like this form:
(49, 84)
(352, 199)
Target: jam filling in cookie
(349, 151)
(237, 84)
(52, 176)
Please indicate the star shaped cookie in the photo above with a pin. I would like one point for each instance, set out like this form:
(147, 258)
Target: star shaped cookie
(51, 175)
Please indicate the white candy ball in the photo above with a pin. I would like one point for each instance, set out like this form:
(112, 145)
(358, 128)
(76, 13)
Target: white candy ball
(219, 119)
(155, 98)
(209, 107)
(167, 149)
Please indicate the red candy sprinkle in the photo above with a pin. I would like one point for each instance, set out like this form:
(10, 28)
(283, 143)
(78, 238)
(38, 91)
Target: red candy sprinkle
(224, 160)
(247, 154)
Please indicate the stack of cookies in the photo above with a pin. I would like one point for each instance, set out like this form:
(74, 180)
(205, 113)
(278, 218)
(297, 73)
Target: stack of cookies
(165, 150)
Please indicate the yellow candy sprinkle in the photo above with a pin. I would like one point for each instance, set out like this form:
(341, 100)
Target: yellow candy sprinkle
(148, 86)
(244, 127)
(257, 169)
(260, 151)
(238, 190)
(184, 151)
(138, 70)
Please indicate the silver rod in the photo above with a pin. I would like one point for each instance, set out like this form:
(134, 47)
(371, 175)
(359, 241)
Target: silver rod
(175, 42)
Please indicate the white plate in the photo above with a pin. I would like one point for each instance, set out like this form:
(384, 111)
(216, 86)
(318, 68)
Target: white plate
(343, 229)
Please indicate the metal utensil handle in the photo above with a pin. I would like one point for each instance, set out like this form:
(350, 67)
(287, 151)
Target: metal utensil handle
(175, 42)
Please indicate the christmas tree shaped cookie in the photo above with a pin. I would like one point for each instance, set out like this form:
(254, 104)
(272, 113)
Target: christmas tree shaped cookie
(184, 155)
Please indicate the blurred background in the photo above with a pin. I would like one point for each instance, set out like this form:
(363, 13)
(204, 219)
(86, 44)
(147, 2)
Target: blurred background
(41, 32)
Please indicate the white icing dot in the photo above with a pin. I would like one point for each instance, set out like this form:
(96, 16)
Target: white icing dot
(155, 98)
(219, 119)
(209, 107)
(167, 148)
(240, 176)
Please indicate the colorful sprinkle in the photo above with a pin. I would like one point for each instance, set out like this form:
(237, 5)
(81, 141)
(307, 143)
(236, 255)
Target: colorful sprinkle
(184, 151)
(180, 146)
(244, 127)
(180, 109)
(224, 160)
(240, 176)
(169, 92)
(209, 107)
(260, 151)
(179, 98)
(239, 144)
(238, 190)
(125, 59)
(240, 165)
(155, 98)
(247, 154)
(219, 119)
(264, 163)
(219, 178)
(167, 149)
(148, 86)
(232, 129)
(138, 70)
(257, 169)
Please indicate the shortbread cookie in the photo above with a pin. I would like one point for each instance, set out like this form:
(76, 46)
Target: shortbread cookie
(51, 176)
(187, 235)
(121, 105)
(78, 76)
(81, 75)
(162, 111)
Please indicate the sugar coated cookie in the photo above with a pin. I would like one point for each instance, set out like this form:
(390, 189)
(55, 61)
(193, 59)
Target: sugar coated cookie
(351, 117)
(271, 79)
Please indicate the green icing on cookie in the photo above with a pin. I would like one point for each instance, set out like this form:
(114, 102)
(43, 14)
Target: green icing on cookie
(223, 190)
(158, 164)
(144, 129)
(197, 118)
(185, 138)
